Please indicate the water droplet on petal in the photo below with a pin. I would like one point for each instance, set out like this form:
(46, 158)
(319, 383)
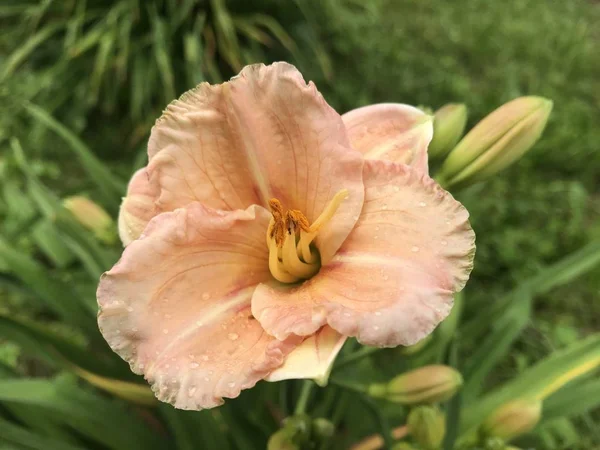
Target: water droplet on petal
(129, 308)
(194, 365)
(415, 249)
(375, 237)
(233, 336)
(396, 188)
(232, 384)
(199, 323)
(444, 242)
(168, 316)
(165, 331)
(205, 357)
(422, 204)
(206, 379)
(205, 296)
(377, 313)
(192, 391)
(347, 314)
(377, 228)
(384, 206)
(385, 277)
(376, 327)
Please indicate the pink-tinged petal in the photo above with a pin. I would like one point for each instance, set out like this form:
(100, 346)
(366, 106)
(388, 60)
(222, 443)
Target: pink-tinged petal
(177, 305)
(137, 208)
(393, 279)
(392, 132)
(313, 358)
(264, 134)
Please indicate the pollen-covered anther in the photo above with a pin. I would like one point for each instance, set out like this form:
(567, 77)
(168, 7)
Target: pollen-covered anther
(289, 238)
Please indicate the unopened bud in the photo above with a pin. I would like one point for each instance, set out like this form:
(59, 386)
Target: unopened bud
(513, 419)
(322, 428)
(294, 434)
(496, 142)
(403, 446)
(428, 384)
(427, 426)
(92, 217)
(449, 124)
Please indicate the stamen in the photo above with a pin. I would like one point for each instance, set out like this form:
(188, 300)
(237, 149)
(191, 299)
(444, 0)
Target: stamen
(276, 266)
(289, 238)
(290, 259)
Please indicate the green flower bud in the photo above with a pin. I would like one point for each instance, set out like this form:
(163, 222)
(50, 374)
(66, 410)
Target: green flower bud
(513, 419)
(428, 384)
(322, 428)
(427, 426)
(403, 446)
(449, 124)
(92, 217)
(293, 436)
(496, 142)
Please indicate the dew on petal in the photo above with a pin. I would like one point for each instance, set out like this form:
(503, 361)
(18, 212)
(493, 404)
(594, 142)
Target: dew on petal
(204, 357)
(205, 296)
(206, 379)
(396, 188)
(384, 206)
(377, 313)
(129, 308)
(233, 336)
(376, 327)
(192, 391)
(166, 331)
(168, 316)
(199, 323)
(232, 384)
(194, 365)
(414, 249)
(422, 204)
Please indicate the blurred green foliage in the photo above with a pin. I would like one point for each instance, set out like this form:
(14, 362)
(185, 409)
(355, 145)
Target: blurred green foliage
(81, 83)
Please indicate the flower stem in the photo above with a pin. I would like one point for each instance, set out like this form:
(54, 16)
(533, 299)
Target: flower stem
(303, 399)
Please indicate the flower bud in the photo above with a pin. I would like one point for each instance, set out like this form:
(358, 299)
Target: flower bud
(449, 124)
(403, 446)
(92, 217)
(496, 142)
(513, 419)
(428, 384)
(427, 426)
(294, 434)
(322, 428)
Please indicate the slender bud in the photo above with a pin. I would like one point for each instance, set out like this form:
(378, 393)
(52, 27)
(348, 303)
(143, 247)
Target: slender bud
(427, 426)
(449, 124)
(513, 419)
(322, 428)
(496, 142)
(428, 384)
(92, 217)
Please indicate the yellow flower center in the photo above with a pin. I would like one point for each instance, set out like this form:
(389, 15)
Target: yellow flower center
(289, 237)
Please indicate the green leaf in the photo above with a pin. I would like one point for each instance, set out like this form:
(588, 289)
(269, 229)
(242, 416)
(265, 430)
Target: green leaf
(49, 241)
(540, 380)
(110, 186)
(104, 421)
(50, 290)
(572, 400)
(24, 438)
(495, 346)
(188, 427)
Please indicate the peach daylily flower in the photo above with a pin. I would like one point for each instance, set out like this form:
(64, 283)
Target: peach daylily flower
(266, 229)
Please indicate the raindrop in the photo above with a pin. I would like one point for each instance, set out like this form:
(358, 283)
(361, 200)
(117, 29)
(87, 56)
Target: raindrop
(396, 188)
(444, 242)
(347, 314)
(191, 391)
(199, 323)
(415, 249)
(422, 204)
(204, 357)
(165, 331)
(134, 329)
(233, 336)
(377, 228)
(384, 206)
(447, 222)
(386, 277)
(168, 316)
(232, 384)
(206, 379)
(377, 313)
(375, 237)
(205, 296)
(376, 327)
(129, 308)
(194, 365)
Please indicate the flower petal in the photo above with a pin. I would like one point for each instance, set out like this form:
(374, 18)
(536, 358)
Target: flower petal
(264, 134)
(393, 279)
(392, 132)
(137, 208)
(177, 305)
(313, 358)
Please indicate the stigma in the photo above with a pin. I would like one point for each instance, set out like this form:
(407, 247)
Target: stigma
(290, 236)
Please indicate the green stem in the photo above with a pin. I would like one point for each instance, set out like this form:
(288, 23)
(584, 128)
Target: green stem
(303, 399)
(361, 388)
(356, 356)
